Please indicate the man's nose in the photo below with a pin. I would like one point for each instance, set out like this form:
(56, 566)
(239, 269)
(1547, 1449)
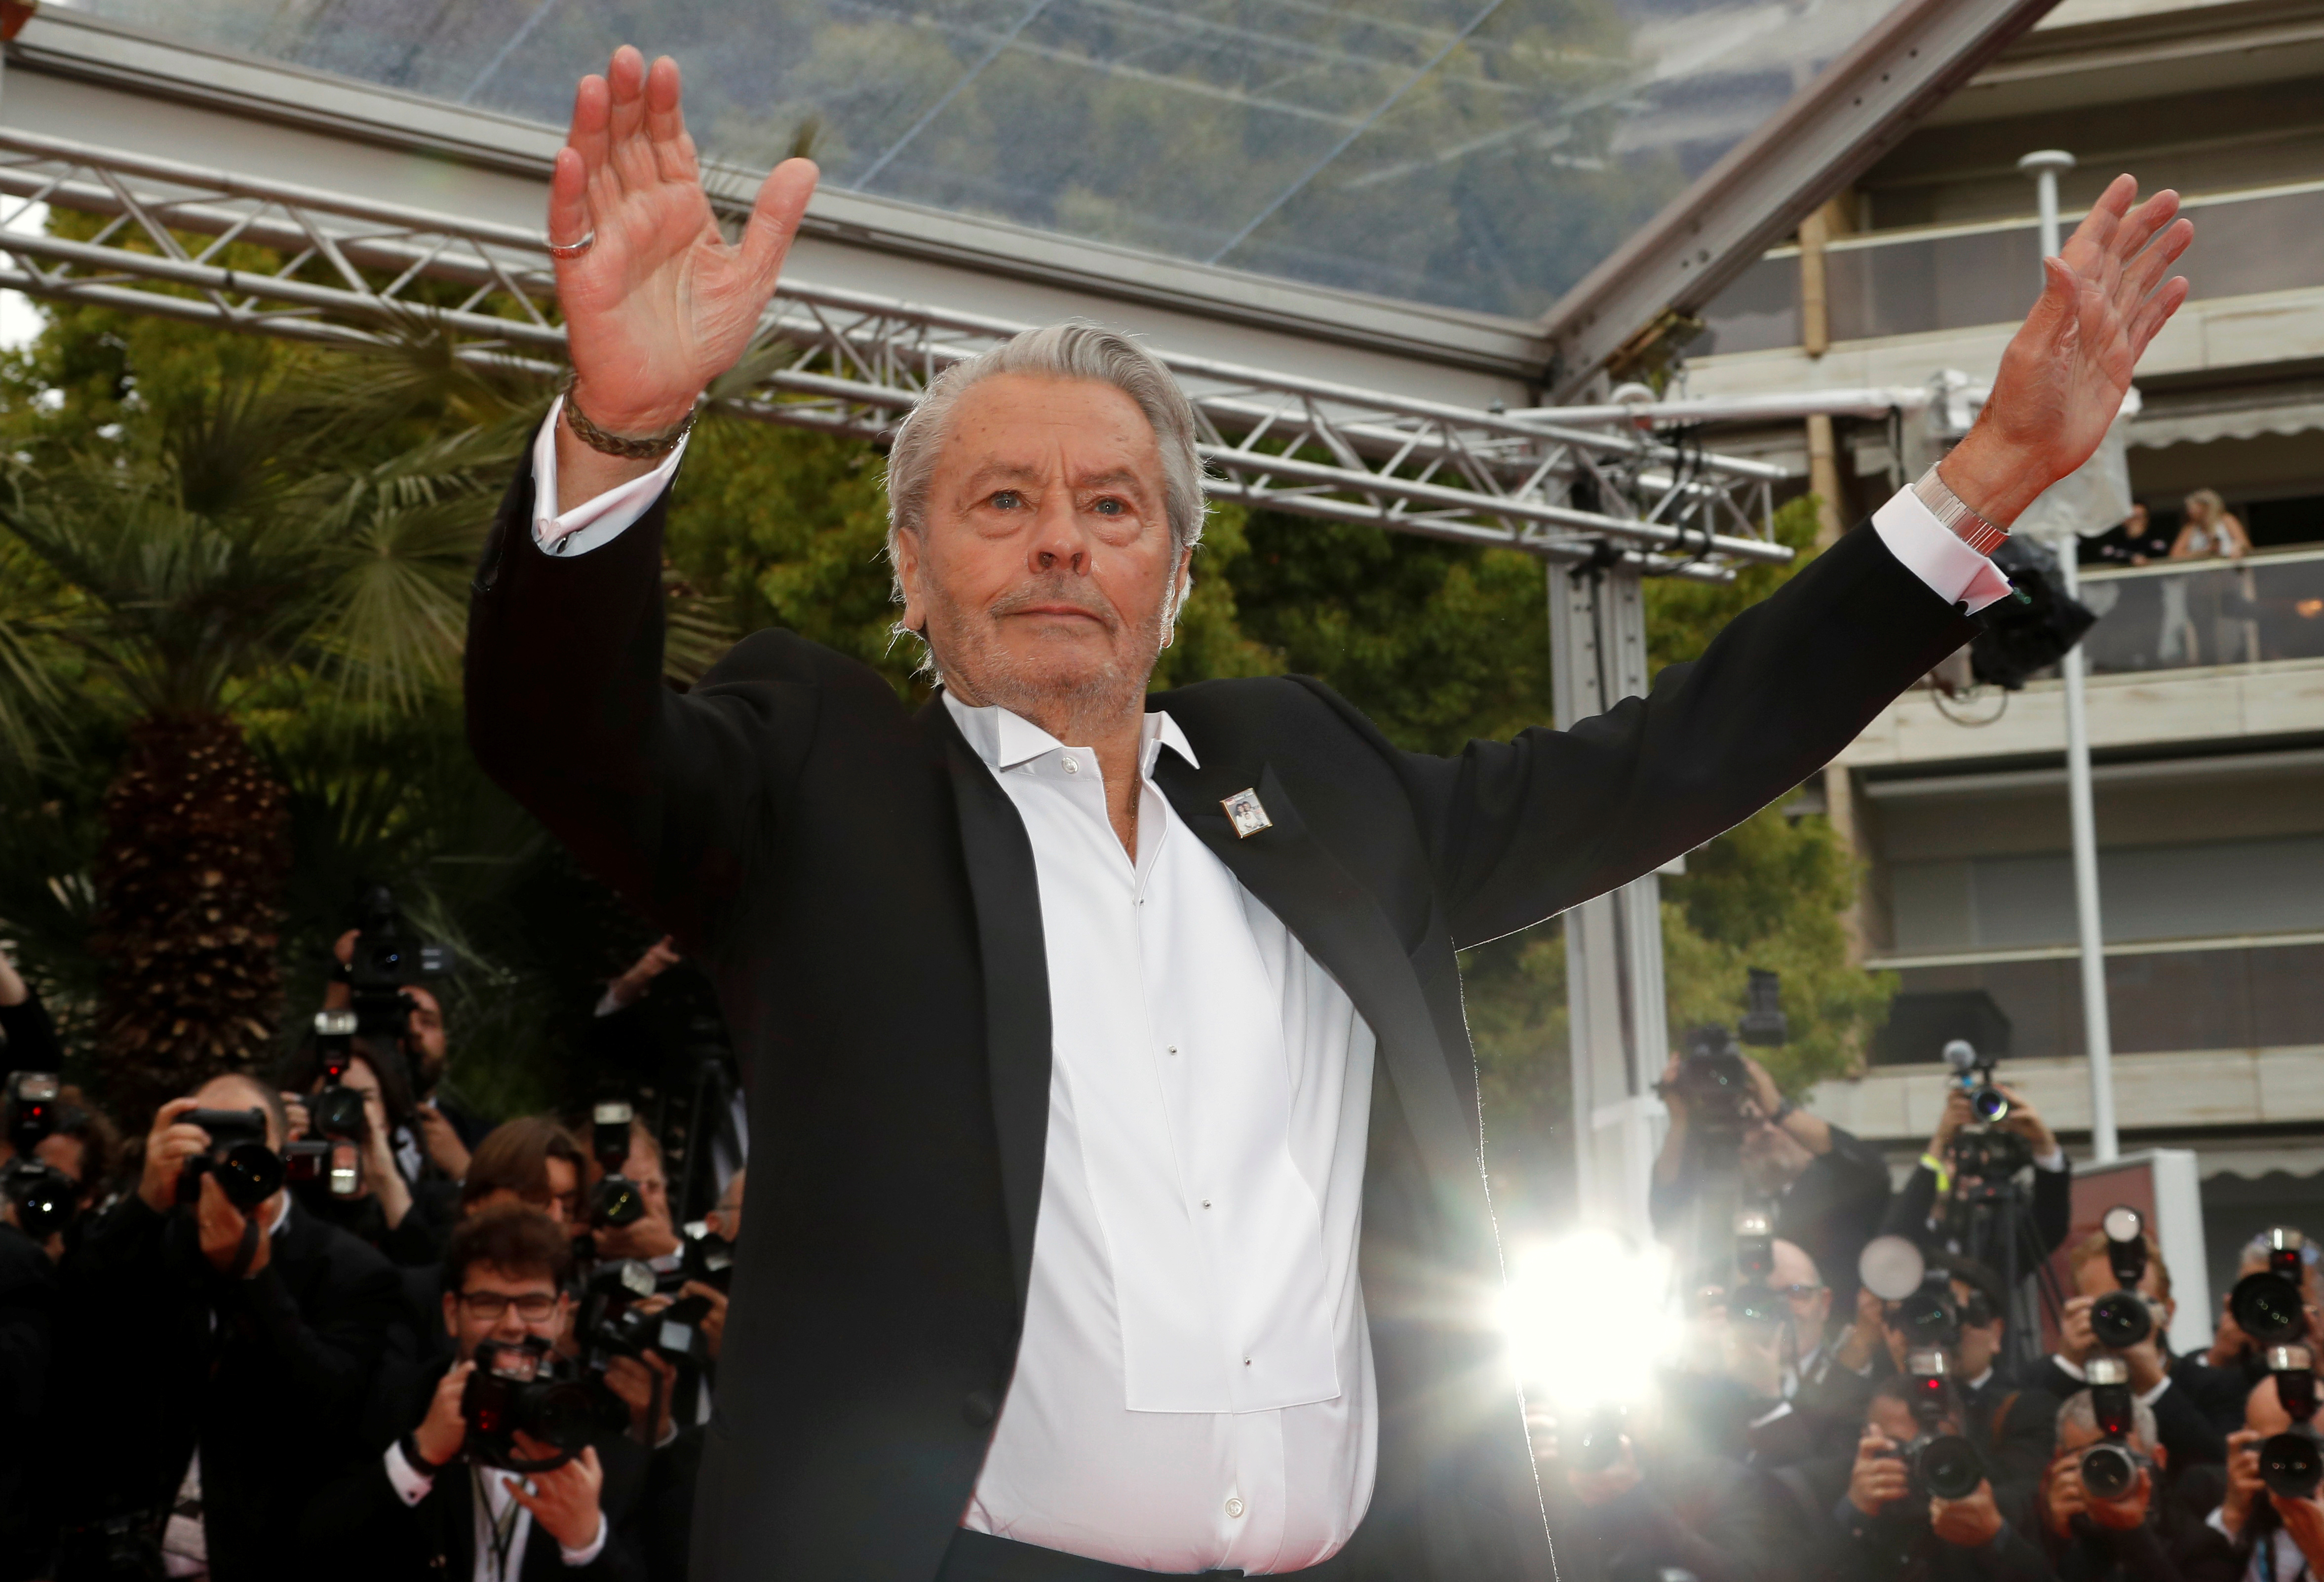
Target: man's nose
(1059, 544)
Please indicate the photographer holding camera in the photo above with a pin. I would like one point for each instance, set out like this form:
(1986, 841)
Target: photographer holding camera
(1637, 1496)
(226, 1338)
(2234, 1356)
(357, 1103)
(2267, 1529)
(440, 1131)
(1962, 1168)
(1829, 1187)
(498, 1468)
(1919, 1504)
(2107, 1514)
(2183, 1393)
(28, 1039)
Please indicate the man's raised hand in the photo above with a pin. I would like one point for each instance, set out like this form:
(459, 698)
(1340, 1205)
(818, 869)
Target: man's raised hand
(2064, 374)
(659, 304)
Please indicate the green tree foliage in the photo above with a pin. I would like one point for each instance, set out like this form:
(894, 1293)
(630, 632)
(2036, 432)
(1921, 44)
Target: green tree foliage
(1437, 643)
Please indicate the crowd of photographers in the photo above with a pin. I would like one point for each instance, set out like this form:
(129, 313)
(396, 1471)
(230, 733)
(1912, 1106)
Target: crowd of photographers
(329, 1323)
(1879, 1385)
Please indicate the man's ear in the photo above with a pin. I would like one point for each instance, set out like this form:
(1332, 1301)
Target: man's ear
(904, 546)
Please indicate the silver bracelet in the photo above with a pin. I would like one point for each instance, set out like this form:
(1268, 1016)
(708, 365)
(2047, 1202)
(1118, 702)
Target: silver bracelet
(1959, 519)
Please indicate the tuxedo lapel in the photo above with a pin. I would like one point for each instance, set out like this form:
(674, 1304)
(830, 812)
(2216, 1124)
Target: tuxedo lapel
(1344, 929)
(1015, 958)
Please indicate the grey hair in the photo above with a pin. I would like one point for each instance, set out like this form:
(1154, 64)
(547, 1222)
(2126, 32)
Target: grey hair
(2078, 1411)
(1074, 349)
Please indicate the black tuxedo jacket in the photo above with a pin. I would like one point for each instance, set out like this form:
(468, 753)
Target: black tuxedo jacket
(862, 893)
(266, 1374)
(359, 1529)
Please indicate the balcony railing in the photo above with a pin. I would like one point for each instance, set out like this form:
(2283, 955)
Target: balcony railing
(2181, 614)
(1959, 277)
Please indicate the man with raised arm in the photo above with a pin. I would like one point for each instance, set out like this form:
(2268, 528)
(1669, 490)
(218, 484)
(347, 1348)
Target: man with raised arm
(1120, 1205)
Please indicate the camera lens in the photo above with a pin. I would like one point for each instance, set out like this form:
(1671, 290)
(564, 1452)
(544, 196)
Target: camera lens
(2108, 1471)
(2289, 1465)
(250, 1173)
(559, 1414)
(44, 1200)
(1926, 1320)
(616, 1202)
(1988, 1105)
(1950, 1468)
(1600, 1445)
(2121, 1318)
(2268, 1309)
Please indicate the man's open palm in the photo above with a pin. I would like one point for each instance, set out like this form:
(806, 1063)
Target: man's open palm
(659, 304)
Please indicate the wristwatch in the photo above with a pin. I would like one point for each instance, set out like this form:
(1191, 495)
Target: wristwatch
(1953, 512)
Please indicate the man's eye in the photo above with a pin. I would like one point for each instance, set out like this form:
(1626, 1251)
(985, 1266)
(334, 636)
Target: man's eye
(1108, 506)
(1007, 500)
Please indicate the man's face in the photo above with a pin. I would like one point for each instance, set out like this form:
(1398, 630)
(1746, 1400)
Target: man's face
(2264, 1411)
(558, 1203)
(496, 1304)
(424, 1041)
(644, 1166)
(1807, 1296)
(2095, 1277)
(1044, 568)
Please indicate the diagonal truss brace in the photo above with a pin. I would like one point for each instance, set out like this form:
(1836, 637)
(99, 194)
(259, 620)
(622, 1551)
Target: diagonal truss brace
(273, 258)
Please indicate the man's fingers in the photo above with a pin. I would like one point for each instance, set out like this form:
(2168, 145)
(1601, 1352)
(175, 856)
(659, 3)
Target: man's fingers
(2149, 319)
(775, 219)
(590, 135)
(2142, 226)
(2140, 276)
(568, 198)
(2098, 226)
(673, 150)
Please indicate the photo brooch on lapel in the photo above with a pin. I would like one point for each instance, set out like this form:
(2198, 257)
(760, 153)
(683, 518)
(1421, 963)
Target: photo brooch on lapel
(1245, 814)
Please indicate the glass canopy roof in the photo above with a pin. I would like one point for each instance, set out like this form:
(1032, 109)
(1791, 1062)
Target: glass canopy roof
(1479, 154)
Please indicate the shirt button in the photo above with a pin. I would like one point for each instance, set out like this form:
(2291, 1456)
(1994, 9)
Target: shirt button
(1234, 1505)
(1173, 1049)
(1073, 766)
(1206, 1203)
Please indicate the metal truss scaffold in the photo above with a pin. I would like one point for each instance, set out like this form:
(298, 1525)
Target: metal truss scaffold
(272, 258)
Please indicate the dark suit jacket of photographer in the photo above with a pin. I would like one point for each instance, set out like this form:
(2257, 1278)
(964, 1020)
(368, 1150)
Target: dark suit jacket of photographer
(359, 1530)
(862, 893)
(267, 1375)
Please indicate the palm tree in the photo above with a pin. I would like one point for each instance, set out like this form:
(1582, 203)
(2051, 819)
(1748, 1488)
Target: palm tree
(297, 538)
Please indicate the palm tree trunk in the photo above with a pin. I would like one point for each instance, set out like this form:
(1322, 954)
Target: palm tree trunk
(190, 900)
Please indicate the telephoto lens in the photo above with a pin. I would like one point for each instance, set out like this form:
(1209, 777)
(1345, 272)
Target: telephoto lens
(45, 1197)
(2110, 1472)
(2289, 1464)
(2121, 1318)
(247, 1170)
(1947, 1466)
(2269, 1305)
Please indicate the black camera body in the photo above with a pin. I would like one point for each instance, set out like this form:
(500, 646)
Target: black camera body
(2122, 1317)
(2110, 1469)
(516, 1389)
(705, 1257)
(2291, 1462)
(1712, 1082)
(1943, 1464)
(616, 1199)
(45, 1197)
(247, 1170)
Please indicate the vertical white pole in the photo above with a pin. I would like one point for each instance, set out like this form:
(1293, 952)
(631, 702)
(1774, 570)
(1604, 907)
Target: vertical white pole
(2097, 1029)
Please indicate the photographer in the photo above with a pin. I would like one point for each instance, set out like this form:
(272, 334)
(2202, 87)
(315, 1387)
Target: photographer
(1890, 1526)
(385, 1209)
(437, 1502)
(28, 1039)
(2232, 1354)
(440, 1128)
(83, 1145)
(27, 1318)
(1828, 1188)
(652, 1238)
(1932, 1208)
(2262, 1536)
(2183, 1392)
(226, 1338)
(1652, 1502)
(2138, 1535)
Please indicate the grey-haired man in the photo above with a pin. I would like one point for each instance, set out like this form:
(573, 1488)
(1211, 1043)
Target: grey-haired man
(1120, 1208)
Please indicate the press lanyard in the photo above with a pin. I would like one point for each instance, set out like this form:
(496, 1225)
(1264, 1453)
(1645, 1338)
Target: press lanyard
(499, 1530)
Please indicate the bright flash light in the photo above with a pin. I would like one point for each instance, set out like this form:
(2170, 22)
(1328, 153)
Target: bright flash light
(1587, 1319)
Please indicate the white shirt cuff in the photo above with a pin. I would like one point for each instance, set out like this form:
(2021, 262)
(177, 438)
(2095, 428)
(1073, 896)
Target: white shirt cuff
(2053, 1160)
(409, 1486)
(1782, 1409)
(607, 1005)
(2152, 1397)
(1954, 572)
(595, 1547)
(597, 522)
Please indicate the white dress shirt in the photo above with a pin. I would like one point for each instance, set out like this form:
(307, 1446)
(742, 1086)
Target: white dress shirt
(1194, 1388)
(411, 1486)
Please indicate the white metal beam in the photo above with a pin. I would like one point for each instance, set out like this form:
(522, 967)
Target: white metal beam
(275, 257)
(1831, 131)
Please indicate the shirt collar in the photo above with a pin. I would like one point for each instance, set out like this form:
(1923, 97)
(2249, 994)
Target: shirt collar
(1005, 740)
